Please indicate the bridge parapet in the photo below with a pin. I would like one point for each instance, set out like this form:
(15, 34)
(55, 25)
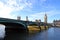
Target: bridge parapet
(25, 23)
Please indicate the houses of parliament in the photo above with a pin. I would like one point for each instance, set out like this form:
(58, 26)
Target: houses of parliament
(56, 23)
(27, 19)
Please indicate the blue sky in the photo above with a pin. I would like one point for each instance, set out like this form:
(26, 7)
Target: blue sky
(34, 9)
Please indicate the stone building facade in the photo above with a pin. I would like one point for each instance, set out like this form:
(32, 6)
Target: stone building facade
(56, 23)
(45, 18)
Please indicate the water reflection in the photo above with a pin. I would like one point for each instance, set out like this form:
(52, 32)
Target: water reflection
(15, 36)
(2, 31)
(50, 34)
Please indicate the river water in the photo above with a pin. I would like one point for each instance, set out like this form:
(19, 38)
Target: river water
(52, 33)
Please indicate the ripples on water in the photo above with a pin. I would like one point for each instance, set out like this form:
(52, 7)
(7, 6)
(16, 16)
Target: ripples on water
(50, 34)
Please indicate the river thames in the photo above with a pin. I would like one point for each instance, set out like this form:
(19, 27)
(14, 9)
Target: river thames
(52, 33)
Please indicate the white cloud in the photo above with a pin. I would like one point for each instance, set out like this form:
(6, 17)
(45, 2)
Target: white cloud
(4, 10)
(15, 5)
(42, 2)
(37, 16)
(8, 6)
(19, 4)
(50, 14)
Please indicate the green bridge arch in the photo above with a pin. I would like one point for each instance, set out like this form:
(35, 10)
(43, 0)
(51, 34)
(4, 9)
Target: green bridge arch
(8, 22)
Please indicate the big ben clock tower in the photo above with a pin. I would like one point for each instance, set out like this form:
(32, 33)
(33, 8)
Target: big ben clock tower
(45, 18)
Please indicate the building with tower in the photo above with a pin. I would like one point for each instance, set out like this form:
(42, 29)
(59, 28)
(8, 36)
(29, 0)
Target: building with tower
(56, 23)
(45, 18)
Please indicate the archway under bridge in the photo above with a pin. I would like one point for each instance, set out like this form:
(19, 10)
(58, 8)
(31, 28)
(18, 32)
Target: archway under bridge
(10, 26)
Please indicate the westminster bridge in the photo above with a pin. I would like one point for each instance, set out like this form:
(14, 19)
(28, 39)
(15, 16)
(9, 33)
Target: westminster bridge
(17, 24)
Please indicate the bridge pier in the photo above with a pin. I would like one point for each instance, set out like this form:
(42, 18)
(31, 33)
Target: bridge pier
(27, 30)
(38, 24)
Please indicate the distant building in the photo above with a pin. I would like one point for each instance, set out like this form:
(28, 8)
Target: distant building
(56, 22)
(45, 18)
